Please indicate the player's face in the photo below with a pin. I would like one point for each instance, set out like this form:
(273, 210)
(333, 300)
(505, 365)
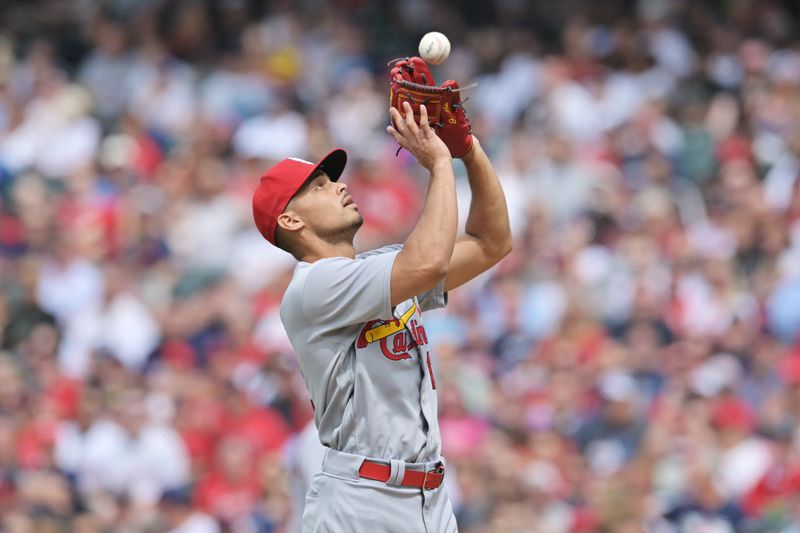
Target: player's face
(327, 208)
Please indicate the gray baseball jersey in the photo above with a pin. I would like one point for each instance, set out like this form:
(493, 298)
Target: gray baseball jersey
(367, 366)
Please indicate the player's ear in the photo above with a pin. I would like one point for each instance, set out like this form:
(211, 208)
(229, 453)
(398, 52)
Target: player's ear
(290, 221)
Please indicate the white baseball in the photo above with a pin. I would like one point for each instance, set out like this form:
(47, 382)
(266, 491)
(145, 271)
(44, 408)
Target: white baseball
(434, 47)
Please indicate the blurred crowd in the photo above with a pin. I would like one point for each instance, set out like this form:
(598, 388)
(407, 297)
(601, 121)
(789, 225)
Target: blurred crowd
(633, 365)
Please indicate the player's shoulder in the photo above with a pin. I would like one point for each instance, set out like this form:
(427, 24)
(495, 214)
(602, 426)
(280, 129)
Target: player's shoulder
(382, 250)
(315, 278)
(305, 273)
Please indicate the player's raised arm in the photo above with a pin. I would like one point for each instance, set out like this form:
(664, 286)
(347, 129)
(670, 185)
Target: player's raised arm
(488, 232)
(427, 251)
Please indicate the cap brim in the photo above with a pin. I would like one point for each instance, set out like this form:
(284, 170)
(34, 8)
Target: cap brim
(333, 164)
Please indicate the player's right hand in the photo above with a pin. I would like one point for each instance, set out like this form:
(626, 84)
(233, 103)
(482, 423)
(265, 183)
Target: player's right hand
(419, 139)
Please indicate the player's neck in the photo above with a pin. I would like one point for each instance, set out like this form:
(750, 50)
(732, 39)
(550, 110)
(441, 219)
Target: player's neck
(325, 250)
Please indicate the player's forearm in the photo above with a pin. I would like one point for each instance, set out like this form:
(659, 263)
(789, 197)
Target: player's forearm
(487, 220)
(434, 236)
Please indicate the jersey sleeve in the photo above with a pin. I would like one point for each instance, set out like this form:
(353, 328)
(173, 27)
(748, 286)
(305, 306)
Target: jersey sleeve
(341, 291)
(435, 298)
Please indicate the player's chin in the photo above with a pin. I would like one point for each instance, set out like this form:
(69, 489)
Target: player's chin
(358, 221)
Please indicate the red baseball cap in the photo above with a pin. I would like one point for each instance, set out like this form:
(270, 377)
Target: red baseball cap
(282, 181)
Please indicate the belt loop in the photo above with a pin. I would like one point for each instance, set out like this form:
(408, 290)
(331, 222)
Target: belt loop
(398, 472)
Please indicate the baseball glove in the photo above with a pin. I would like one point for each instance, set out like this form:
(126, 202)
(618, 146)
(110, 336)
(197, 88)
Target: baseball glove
(412, 81)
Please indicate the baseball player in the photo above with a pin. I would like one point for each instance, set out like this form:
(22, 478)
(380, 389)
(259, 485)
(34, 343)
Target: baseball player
(356, 320)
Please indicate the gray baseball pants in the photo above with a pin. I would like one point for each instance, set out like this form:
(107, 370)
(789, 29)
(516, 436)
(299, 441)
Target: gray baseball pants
(338, 500)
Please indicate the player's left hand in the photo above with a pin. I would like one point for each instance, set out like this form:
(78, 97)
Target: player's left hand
(412, 82)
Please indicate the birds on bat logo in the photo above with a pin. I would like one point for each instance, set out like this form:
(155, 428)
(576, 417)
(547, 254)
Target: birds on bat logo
(396, 337)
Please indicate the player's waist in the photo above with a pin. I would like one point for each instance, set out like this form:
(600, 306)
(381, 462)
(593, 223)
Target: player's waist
(428, 475)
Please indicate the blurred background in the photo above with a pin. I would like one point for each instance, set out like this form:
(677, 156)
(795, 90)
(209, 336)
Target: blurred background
(633, 365)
